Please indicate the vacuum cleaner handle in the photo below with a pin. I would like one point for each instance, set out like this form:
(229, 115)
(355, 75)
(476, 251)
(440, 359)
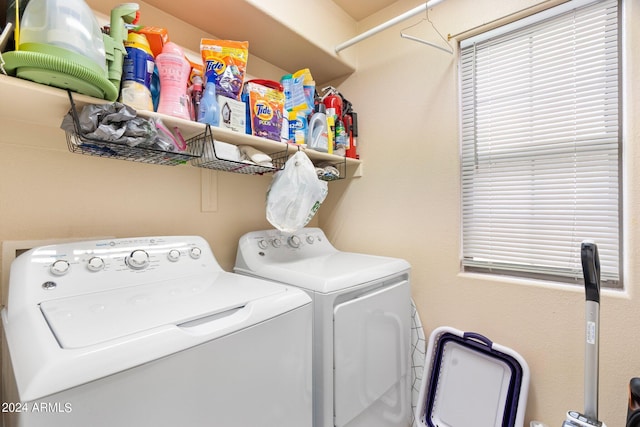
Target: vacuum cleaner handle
(591, 270)
(591, 273)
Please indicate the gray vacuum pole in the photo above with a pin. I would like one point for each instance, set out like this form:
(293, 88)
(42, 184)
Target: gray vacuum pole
(591, 271)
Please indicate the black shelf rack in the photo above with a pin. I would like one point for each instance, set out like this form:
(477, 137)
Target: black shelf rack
(79, 143)
(200, 152)
(209, 158)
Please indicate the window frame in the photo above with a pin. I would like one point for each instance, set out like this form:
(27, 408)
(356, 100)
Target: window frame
(550, 275)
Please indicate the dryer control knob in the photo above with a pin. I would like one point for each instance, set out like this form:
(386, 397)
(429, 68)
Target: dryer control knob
(294, 241)
(95, 263)
(173, 255)
(276, 243)
(60, 267)
(262, 244)
(195, 253)
(310, 240)
(137, 260)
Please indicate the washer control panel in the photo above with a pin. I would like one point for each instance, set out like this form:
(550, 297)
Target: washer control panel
(118, 255)
(78, 268)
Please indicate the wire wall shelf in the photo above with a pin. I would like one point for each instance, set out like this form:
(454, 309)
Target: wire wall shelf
(205, 144)
(80, 143)
(200, 151)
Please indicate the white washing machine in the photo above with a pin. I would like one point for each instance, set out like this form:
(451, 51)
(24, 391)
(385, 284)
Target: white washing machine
(361, 323)
(151, 332)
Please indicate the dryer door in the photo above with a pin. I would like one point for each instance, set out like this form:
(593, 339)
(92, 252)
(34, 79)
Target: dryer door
(372, 335)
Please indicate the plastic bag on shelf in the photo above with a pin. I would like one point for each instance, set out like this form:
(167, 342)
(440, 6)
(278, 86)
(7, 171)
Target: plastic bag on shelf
(113, 122)
(295, 194)
(118, 123)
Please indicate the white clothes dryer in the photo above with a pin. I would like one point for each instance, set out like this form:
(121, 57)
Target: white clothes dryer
(361, 323)
(151, 332)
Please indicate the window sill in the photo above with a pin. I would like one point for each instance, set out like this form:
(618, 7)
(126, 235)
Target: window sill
(542, 284)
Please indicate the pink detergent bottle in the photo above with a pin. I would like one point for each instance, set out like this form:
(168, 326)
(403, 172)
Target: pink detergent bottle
(174, 72)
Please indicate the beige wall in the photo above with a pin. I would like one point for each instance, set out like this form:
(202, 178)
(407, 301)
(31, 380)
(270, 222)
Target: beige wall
(407, 205)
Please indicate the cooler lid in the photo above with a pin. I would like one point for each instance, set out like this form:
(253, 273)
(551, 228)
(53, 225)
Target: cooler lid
(94, 318)
(471, 382)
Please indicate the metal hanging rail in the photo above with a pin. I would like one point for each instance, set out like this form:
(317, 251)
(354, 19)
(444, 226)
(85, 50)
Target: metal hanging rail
(375, 30)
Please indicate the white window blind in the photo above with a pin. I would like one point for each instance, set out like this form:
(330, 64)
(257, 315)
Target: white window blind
(541, 144)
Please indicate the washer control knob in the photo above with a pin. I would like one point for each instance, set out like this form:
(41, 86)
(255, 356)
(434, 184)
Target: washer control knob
(195, 252)
(60, 267)
(294, 241)
(262, 244)
(138, 259)
(276, 243)
(310, 240)
(95, 263)
(173, 255)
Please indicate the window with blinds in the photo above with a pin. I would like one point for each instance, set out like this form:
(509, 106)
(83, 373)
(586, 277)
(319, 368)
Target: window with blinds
(541, 144)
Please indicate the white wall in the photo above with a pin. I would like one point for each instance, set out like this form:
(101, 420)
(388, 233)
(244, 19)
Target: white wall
(408, 205)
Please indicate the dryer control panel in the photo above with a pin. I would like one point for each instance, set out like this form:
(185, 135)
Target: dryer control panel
(307, 259)
(274, 245)
(70, 269)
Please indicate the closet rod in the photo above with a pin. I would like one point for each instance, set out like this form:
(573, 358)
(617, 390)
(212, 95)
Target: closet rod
(375, 30)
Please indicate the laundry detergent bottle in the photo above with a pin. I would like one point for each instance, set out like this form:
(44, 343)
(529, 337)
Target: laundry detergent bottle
(174, 70)
(137, 71)
(317, 138)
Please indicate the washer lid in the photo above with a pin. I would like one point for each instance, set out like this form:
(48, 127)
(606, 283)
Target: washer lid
(94, 318)
(329, 273)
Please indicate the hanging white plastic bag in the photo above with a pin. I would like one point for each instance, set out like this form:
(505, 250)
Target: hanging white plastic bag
(295, 194)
